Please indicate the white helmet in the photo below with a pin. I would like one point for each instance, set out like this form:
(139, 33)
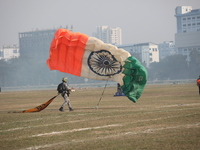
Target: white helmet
(64, 79)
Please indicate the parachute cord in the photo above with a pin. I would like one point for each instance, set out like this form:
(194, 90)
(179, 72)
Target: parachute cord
(102, 94)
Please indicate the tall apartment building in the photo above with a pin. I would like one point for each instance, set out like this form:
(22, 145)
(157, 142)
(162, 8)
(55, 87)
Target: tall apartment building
(9, 52)
(36, 43)
(187, 37)
(109, 35)
(148, 52)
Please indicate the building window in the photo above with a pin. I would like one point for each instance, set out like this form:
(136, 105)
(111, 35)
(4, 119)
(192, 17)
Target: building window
(184, 20)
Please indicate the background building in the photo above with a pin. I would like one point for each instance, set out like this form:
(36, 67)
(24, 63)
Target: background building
(146, 52)
(187, 37)
(109, 35)
(166, 48)
(9, 52)
(36, 43)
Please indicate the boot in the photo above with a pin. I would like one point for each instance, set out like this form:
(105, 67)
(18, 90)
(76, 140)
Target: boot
(61, 109)
(70, 109)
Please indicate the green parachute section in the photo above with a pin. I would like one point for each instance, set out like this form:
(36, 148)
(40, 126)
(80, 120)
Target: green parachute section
(135, 78)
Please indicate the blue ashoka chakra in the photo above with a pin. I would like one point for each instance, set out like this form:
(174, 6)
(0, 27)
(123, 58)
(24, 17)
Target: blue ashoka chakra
(104, 63)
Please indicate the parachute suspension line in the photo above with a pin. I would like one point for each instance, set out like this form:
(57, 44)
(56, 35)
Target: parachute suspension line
(102, 94)
(77, 80)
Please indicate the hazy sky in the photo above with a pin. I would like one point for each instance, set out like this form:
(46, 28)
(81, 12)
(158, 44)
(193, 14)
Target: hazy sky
(140, 20)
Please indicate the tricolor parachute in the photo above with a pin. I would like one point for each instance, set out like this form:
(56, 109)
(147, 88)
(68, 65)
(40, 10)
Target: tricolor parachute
(89, 57)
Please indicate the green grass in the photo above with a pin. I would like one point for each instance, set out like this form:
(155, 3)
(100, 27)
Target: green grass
(165, 117)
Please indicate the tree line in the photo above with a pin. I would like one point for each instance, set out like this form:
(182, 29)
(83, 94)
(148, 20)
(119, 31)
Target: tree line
(176, 67)
(31, 72)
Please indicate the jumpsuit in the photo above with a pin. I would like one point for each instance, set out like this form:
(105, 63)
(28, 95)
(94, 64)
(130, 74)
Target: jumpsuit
(65, 95)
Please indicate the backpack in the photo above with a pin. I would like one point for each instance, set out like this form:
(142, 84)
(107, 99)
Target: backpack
(61, 88)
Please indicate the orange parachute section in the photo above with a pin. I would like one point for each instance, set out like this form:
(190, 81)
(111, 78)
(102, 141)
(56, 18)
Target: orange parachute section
(66, 51)
(38, 108)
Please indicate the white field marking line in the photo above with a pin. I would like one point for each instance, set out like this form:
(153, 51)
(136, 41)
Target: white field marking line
(82, 129)
(76, 130)
(46, 125)
(36, 119)
(20, 121)
(20, 128)
(161, 118)
(165, 128)
(166, 106)
(193, 104)
(128, 123)
(151, 130)
(12, 129)
(75, 121)
(176, 110)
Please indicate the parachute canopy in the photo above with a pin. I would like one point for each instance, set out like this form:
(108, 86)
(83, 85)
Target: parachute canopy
(89, 57)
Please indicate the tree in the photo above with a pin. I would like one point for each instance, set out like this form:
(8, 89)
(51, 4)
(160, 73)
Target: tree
(194, 64)
(3, 73)
(172, 67)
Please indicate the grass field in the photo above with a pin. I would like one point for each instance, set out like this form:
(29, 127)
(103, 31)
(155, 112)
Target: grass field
(165, 117)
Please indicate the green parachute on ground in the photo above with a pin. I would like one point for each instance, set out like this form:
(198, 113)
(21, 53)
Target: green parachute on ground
(135, 78)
